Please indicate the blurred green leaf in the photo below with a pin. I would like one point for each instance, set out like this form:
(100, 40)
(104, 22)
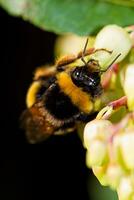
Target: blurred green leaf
(14, 7)
(80, 17)
(121, 2)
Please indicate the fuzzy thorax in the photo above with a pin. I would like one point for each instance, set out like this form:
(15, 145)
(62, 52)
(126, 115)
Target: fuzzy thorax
(78, 97)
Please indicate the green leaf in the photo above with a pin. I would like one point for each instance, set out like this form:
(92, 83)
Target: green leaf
(14, 7)
(78, 16)
(121, 2)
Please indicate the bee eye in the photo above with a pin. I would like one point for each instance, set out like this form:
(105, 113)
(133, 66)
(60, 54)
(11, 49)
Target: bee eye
(95, 78)
(76, 74)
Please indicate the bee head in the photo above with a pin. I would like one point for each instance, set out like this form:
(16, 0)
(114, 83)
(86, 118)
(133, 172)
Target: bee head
(88, 81)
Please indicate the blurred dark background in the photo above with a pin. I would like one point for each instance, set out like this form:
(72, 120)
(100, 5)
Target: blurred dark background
(54, 168)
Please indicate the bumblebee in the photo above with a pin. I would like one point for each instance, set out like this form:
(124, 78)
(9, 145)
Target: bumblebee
(62, 95)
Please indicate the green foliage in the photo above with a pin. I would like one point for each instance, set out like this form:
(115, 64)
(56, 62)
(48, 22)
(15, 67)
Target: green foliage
(80, 17)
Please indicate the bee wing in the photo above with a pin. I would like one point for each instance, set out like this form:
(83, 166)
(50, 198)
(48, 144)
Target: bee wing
(37, 127)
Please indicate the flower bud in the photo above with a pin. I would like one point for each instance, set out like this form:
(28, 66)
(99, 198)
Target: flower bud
(129, 86)
(71, 44)
(124, 150)
(96, 130)
(100, 173)
(97, 154)
(113, 38)
(114, 174)
(126, 189)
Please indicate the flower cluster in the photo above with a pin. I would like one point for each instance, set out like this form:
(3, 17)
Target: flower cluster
(110, 153)
(110, 143)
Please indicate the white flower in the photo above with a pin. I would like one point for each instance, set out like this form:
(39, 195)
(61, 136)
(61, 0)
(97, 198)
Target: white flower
(126, 189)
(100, 173)
(114, 175)
(96, 130)
(115, 39)
(129, 85)
(124, 150)
(97, 154)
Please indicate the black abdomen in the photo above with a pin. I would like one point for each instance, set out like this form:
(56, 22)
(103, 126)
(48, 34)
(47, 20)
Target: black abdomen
(59, 104)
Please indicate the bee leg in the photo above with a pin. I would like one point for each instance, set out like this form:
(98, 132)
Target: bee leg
(65, 131)
(44, 72)
(61, 63)
(102, 49)
(90, 51)
(71, 58)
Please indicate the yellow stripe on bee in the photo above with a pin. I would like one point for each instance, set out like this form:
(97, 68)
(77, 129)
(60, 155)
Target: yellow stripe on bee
(78, 97)
(31, 94)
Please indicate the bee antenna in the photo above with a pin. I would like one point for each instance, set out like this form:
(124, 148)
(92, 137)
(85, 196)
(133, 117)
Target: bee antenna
(111, 63)
(83, 53)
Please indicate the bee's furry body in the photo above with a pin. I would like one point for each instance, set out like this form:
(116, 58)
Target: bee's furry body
(58, 97)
